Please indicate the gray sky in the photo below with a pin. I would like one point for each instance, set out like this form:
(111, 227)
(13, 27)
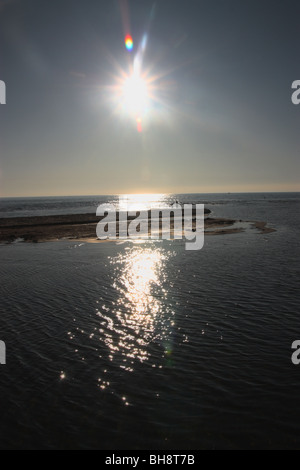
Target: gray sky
(219, 116)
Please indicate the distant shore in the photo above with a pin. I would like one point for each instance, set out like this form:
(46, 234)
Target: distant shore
(83, 227)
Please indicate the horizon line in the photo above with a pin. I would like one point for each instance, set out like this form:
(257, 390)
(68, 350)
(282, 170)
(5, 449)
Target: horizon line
(147, 193)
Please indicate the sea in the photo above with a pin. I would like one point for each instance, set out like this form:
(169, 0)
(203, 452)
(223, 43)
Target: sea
(144, 345)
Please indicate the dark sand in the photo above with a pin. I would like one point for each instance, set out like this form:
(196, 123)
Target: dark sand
(83, 227)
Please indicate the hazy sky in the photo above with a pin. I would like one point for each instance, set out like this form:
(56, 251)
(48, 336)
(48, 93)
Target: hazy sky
(220, 116)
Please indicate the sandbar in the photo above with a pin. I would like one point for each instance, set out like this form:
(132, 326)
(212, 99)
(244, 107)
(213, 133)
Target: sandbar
(83, 227)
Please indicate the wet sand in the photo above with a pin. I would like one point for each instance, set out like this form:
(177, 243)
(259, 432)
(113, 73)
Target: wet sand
(262, 226)
(83, 227)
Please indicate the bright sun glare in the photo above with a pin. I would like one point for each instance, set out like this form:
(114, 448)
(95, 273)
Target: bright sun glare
(135, 94)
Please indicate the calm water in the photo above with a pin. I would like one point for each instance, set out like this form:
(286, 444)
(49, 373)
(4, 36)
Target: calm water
(149, 346)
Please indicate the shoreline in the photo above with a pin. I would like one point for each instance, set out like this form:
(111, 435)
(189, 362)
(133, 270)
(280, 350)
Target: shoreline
(82, 227)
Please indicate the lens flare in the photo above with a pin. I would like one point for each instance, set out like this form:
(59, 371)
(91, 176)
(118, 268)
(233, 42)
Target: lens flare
(139, 93)
(139, 124)
(128, 42)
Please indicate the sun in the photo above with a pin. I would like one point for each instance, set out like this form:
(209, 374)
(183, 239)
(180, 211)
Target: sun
(135, 94)
(140, 94)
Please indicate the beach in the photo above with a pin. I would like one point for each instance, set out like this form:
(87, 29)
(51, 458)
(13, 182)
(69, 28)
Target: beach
(129, 345)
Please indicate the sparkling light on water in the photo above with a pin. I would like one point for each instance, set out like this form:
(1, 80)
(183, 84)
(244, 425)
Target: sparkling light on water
(140, 315)
(139, 202)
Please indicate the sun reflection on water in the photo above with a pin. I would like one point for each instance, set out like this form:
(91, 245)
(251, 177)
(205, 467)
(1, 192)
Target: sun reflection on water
(138, 202)
(140, 315)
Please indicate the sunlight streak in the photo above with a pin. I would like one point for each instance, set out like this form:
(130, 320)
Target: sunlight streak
(140, 315)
